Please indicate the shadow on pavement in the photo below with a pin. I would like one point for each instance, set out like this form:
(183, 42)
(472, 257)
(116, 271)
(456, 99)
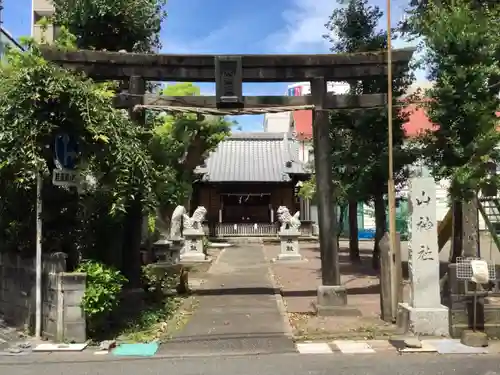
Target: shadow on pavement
(244, 291)
(226, 336)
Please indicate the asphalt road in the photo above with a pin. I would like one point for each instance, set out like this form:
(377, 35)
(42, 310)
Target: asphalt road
(277, 364)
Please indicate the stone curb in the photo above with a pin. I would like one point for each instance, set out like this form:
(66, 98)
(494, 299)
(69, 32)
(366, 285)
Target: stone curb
(216, 261)
(90, 357)
(279, 298)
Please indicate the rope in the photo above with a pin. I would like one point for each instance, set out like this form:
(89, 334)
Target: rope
(223, 111)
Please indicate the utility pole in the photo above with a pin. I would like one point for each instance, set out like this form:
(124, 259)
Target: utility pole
(394, 249)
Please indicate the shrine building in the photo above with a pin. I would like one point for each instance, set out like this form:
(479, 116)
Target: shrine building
(246, 179)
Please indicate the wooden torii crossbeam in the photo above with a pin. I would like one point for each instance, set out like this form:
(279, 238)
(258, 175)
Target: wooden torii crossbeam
(201, 68)
(251, 104)
(229, 72)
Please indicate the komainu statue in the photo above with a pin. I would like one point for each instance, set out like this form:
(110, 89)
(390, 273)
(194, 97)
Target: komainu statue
(195, 221)
(287, 220)
(176, 223)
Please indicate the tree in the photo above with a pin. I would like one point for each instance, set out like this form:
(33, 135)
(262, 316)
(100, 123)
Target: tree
(131, 25)
(308, 191)
(411, 25)
(39, 100)
(114, 25)
(175, 143)
(360, 137)
(463, 60)
(181, 142)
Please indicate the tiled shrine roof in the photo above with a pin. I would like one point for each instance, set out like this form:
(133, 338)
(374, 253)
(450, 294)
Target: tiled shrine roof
(254, 157)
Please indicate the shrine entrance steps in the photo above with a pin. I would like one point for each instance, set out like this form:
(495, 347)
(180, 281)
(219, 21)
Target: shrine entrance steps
(237, 312)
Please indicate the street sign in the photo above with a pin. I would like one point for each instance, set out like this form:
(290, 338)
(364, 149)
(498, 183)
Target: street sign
(229, 82)
(66, 151)
(65, 177)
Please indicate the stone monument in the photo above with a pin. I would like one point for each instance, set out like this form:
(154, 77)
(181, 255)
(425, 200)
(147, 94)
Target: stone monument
(424, 314)
(289, 234)
(176, 240)
(193, 234)
(176, 224)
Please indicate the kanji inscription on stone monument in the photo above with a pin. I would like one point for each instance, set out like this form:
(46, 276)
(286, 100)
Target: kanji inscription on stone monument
(426, 315)
(425, 253)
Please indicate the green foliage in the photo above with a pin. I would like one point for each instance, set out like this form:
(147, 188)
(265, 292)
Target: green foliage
(462, 54)
(102, 295)
(157, 280)
(152, 222)
(308, 188)
(360, 137)
(153, 322)
(132, 25)
(39, 100)
(415, 13)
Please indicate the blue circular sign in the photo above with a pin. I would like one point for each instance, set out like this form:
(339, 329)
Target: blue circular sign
(66, 151)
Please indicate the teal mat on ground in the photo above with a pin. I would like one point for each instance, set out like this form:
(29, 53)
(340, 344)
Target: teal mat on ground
(137, 350)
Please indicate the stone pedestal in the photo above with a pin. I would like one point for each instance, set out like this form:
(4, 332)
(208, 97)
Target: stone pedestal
(192, 251)
(332, 301)
(289, 245)
(424, 314)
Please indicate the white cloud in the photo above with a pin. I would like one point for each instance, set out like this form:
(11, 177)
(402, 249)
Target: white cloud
(304, 27)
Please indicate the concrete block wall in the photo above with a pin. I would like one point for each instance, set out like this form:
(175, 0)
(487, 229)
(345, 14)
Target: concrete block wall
(72, 325)
(62, 293)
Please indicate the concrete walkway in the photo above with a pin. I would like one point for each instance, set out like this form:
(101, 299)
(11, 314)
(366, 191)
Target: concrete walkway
(238, 311)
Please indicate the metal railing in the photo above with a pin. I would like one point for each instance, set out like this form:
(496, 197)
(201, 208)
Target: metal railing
(253, 229)
(246, 230)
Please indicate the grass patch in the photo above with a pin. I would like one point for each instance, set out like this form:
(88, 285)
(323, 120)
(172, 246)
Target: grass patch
(152, 323)
(179, 320)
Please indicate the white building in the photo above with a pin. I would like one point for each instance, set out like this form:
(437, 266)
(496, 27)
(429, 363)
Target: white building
(39, 10)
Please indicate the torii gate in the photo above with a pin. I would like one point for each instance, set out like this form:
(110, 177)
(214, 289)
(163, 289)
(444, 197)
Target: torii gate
(229, 72)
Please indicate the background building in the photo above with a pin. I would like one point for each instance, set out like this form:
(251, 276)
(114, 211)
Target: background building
(299, 124)
(39, 10)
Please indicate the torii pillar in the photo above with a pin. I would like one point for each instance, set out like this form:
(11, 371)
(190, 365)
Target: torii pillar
(332, 295)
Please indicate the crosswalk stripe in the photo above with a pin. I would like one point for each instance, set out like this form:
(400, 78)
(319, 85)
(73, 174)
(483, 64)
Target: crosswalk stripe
(353, 347)
(314, 348)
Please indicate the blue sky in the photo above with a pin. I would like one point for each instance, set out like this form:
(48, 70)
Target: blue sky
(234, 27)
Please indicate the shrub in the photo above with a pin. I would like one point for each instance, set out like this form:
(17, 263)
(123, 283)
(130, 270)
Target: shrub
(102, 294)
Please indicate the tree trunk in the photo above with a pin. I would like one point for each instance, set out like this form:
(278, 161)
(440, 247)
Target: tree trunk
(380, 227)
(353, 231)
(340, 229)
(456, 231)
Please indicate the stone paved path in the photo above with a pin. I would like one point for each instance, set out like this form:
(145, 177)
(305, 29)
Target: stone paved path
(237, 311)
